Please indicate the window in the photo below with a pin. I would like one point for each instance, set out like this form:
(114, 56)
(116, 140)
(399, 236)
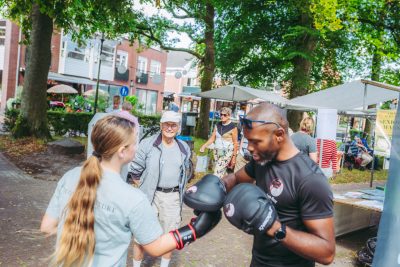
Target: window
(122, 59)
(155, 67)
(142, 65)
(107, 55)
(147, 100)
(2, 32)
(76, 52)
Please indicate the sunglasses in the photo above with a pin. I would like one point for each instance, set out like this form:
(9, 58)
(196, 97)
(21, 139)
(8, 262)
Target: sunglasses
(248, 123)
(224, 115)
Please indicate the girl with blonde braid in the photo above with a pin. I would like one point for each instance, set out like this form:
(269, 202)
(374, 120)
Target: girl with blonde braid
(94, 212)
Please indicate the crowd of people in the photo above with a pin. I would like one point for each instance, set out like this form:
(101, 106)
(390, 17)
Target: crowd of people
(267, 182)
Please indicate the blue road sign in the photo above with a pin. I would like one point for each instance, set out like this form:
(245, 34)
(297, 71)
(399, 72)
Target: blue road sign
(124, 91)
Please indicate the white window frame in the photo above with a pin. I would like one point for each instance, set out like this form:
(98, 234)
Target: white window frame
(121, 54)
(155, 67)
(82, 53)
(3, 37)
(141, 65)
(109, 55)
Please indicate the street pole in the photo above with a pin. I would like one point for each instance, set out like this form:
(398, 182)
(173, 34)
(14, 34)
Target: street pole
(98, 74)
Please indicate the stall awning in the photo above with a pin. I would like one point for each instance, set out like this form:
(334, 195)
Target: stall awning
(239, 93)
(69, 79)
(356, 95)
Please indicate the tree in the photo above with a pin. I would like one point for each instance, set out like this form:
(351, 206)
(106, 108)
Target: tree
(199, 25)
(38, 19)
(262, 42)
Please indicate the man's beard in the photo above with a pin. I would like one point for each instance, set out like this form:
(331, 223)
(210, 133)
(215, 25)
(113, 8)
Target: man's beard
(265, 159)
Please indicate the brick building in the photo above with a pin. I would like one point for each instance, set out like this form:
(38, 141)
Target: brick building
(121, 65)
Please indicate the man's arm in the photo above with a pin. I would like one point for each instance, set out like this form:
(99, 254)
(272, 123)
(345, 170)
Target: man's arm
(138, 165)
(318, 244)
(314, 156)
(236, 178)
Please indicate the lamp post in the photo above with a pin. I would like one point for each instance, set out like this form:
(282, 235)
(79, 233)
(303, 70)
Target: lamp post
(131, 86)
(98, 74)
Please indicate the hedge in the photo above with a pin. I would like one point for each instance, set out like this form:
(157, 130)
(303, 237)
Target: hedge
(61, 122)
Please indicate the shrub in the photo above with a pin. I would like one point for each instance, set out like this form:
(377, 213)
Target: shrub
(10, 119)
(62, 122)
(147, 120)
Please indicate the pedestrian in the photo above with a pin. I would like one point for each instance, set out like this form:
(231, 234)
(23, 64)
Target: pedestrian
(127, 106)
(159, 169)
(290, 209)
(95, 213)
(303, 140)
(327, 156)
(225, 140)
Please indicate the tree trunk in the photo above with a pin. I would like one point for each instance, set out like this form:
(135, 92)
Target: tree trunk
(33, 118)
(208, 68)
(300, 78)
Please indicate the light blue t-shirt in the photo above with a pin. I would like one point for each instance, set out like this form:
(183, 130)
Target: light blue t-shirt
(120, 211)
(171, 160)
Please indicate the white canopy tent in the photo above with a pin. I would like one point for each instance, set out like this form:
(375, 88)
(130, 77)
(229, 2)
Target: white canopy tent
(352, 96)
(237, 93)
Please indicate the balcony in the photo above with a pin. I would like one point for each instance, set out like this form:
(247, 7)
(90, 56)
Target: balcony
(121, 76)
(142, 78)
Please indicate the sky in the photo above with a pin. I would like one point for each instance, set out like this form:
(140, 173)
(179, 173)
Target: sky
(151, 10)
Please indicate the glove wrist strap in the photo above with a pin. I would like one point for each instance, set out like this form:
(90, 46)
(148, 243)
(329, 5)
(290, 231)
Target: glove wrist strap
(184, 236)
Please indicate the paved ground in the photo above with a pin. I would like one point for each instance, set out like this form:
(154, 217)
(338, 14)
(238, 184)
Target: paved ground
(24, 199)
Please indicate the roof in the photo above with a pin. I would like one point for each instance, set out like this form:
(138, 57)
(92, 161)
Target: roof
(178, 59)
(239, 93)
(69, 79)
(349, 96)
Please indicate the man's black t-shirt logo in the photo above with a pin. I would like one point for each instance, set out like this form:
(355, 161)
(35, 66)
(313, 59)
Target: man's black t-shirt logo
(276, 187)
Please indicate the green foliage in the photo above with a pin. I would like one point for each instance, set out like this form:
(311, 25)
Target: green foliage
(354, 132)
(63, 122)
(20, 128)
(10, 119)
(147, 120)
(132, 99)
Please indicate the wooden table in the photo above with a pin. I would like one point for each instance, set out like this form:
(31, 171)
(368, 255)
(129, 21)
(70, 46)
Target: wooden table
(350, 215)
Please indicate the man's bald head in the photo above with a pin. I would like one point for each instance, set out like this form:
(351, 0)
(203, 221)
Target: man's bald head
(269, 112)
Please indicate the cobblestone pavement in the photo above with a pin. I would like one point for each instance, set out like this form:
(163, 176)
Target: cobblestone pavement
(23, 201)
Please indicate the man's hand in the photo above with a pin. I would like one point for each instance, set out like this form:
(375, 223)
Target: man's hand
(248, 208)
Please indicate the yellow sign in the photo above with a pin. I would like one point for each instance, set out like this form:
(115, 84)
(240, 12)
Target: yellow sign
(384, 130)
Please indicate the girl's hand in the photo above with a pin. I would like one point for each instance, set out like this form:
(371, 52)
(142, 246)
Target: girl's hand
(202, 148)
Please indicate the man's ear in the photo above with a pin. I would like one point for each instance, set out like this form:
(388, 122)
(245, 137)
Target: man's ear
(280, 134)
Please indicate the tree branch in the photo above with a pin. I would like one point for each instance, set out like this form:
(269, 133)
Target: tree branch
(151, 36)
(188, 15)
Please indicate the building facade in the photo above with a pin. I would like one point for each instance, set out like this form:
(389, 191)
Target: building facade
(122, 64)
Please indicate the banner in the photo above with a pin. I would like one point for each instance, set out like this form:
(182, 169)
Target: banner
(383, 131)
(387, 253)
(327, 124)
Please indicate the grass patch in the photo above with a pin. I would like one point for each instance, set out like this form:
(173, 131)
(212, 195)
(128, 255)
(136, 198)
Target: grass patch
(357, 176)
(81, 139)
(198, 142)
(22, 146)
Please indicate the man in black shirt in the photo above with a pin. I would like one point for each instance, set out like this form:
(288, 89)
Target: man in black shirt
(304, 231)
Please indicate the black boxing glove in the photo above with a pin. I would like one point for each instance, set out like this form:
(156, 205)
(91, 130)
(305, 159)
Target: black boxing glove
(206, 195)
(248, 208)
(197, 227)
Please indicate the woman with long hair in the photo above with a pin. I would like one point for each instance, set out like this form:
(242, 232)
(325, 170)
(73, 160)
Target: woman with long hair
(95, 213)
(225, 139)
